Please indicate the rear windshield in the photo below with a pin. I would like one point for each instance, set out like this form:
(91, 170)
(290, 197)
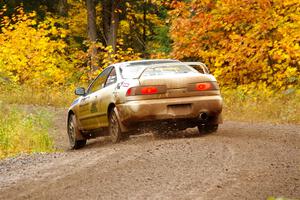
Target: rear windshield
(167, 70)
(132, 71)
(158, 70)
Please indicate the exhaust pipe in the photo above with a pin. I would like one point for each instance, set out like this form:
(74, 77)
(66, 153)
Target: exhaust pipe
(203, 116)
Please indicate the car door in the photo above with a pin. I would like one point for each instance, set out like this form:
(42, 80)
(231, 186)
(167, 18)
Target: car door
(89, 106)
(107, 96)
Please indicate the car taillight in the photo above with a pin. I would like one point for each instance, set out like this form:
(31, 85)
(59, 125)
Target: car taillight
(149, 90)
(146, 90)
(203, 86)
(128, 93)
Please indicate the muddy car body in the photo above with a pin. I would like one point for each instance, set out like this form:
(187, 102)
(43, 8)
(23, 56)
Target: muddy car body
(159, 94)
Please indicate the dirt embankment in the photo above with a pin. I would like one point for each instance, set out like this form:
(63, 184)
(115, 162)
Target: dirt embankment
(241, 161)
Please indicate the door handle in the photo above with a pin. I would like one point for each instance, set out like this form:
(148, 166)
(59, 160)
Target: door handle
(85, 98)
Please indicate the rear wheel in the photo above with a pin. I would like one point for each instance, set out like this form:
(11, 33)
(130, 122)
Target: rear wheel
(207, 128)
(73, 133)
(115, 132)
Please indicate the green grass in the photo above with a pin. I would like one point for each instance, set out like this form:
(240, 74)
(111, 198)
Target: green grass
(24, 131)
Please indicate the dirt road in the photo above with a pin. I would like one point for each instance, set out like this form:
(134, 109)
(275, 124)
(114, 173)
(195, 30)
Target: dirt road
(241, 161)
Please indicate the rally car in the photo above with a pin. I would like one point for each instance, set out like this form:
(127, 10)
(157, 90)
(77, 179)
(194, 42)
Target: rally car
(157, 94)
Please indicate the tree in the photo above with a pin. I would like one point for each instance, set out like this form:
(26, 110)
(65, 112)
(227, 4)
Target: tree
(92, 32)
(62, 8)
(32, 52)
(110, 21)
(91, 18)
(244, 42)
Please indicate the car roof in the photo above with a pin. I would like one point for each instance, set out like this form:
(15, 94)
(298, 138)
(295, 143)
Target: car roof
(146, 62)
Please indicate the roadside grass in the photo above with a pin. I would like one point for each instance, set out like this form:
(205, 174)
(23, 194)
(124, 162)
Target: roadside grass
(262, 106)
(23, 131)
(48, 96)
(241, 104)
(279, 198)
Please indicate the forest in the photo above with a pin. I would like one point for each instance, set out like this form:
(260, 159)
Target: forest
(251, 43)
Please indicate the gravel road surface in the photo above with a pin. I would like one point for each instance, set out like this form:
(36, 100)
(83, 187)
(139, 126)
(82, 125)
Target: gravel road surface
(241, 161)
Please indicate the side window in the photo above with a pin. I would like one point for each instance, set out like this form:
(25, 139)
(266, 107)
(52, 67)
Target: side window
(99, 81)
(112, 78)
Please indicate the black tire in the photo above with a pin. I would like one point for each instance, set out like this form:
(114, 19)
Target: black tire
(73, 131)
(208, 128)
(114, 128)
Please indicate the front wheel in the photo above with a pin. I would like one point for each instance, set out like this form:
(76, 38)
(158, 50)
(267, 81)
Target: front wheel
(115, 132)
(73, 133)
(207, 128)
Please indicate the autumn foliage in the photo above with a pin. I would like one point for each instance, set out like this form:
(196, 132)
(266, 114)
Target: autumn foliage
(32, 51)
(43, 53)
(249, 42)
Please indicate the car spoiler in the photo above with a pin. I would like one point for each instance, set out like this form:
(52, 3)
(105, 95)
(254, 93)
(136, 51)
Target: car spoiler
(203, 68)
(199, 66)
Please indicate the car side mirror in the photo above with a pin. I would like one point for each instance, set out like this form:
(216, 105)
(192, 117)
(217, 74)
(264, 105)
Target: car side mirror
(80, 91)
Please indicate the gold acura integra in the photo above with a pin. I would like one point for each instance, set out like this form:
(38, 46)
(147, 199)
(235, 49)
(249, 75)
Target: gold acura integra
(157, 94)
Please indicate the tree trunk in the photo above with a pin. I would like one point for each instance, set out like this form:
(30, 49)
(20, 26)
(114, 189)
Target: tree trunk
(110, 22)
(144, 26)
(62, 8)
(114, 25)
(91, 18)
(106, 10)
(92, 32)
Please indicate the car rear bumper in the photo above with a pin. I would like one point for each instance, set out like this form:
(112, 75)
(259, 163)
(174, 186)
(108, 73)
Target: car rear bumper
(133, 112)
